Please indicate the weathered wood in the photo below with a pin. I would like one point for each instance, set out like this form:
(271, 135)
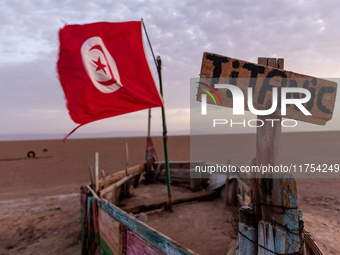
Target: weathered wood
(226, 69)
(176, 174)
(136, 245)
(91, 176)
(265, 238)
(92, 192)
(109, 230)
(268, 146)
(91, 240)
(280, 240)
(83, 210)
(135, 170)
(247, 247)
(96, 172)
(271, 237)
(142, 217)
(95, 220)
(161, 242)
(182, 176)
(179, 164)
(199, 196)
(240, 200)
(247, 216)
(115, 185)
(126, 157)
(196, 184)
(311, 246)
(280, 204)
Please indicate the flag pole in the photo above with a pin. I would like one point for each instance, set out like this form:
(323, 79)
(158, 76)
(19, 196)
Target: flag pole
(158, 64)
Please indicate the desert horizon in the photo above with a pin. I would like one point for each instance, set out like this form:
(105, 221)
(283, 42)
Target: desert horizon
(35, 190)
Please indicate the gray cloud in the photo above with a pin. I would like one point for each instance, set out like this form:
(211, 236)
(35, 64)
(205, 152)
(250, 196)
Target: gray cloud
(305, 33)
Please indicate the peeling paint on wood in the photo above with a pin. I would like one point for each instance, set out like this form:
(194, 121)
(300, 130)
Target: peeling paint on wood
(159, 241)
(279, 204)
(136, 246)
(109, 230)
(246, 247)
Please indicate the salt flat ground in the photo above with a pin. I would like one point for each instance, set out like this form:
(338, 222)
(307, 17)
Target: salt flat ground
(39, 201)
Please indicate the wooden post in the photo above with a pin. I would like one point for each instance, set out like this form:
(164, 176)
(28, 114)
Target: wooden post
(126, 157)
(278, 194)
(91, 176)
(96, 171)
(268, 143)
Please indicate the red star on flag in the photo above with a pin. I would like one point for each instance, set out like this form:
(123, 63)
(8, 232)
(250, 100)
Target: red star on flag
(100, 66)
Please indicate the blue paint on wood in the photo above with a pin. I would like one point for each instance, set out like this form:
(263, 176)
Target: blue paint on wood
(154, 238)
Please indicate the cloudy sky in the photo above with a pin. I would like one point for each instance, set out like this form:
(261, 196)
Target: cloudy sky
(305, 33)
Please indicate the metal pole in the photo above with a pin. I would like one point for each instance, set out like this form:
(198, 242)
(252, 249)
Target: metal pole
(165, 138)
(158, 64)
(149, 122)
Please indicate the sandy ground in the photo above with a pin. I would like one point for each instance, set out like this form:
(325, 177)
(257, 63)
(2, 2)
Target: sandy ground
(39, 201)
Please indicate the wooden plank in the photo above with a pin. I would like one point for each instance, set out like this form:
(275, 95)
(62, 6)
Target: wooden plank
(247, 247)
(240, 200)
(179, 164)
(280, 240)
(150, 235)
(265, 238)
(244, 184)
(197, 196)
(91, 240)
(271, 237)
(226, 69)
(91, 176)
(136, 246)
(96, 172)
(109, 230)
(83, 210)
(311, 245)
(115, 185)
(179, 175)
(95, 220)
(135, 170)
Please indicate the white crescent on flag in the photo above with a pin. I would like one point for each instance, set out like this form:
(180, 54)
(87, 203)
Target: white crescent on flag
(100, 65)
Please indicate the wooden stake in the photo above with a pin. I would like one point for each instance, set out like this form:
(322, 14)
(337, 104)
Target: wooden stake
(96, 171)
(91, 175)
(126, 156)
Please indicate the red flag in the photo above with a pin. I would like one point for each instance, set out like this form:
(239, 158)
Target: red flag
(104, 72)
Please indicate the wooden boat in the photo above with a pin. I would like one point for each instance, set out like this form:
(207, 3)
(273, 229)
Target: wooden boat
(109, 222)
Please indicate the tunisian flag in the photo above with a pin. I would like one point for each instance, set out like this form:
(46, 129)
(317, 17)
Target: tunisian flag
(104, 72)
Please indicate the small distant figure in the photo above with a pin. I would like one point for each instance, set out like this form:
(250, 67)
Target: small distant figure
(31, 154)
(45, 150)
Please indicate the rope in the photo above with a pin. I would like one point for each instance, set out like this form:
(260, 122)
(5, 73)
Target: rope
(294, 253)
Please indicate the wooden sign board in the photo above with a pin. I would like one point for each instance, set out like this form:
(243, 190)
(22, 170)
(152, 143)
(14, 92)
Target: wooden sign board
(262, 79)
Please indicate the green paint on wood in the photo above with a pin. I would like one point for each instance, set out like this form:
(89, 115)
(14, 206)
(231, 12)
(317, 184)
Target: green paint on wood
(106, 249)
